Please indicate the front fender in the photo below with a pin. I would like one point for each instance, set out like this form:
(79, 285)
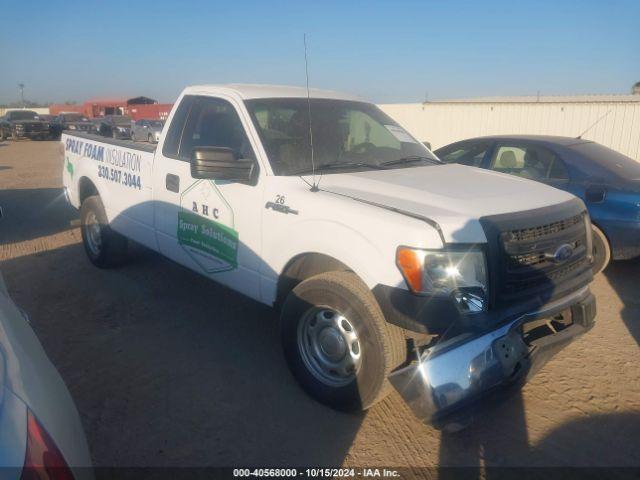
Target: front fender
(373, 262)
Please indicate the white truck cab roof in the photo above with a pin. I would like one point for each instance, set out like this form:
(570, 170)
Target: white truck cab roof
(251, 91)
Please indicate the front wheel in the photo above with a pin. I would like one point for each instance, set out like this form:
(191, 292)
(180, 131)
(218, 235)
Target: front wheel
(337, 342)
(104, 247)
(601, 250)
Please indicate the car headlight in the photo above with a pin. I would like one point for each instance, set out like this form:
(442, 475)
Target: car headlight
(121, 129)
(458, 274)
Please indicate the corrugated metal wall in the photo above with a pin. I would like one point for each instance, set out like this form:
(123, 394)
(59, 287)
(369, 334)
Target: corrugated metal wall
(444, 123)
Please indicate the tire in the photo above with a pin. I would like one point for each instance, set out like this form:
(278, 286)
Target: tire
(133, 136)
(150, 138)
(380, 347)
(104, 247)
(1, 135)
(601, 250)
(114, 134)
(14, 136)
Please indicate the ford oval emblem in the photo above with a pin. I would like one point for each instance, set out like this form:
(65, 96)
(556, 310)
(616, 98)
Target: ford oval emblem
(562, 254)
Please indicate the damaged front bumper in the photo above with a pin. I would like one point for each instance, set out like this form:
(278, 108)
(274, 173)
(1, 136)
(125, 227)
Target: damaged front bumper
(448, 380)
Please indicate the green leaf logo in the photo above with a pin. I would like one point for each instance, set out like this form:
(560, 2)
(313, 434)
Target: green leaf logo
(69, 167)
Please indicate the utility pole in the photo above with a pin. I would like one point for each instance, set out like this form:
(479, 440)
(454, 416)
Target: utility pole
(21, 87)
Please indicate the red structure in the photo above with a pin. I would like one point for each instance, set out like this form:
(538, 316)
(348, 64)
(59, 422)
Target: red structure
(138, 108)
(156, 111)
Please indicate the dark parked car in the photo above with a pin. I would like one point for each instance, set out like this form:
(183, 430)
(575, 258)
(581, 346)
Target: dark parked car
(607, 181)
(71, 121)
(18, 124)
(115, 126)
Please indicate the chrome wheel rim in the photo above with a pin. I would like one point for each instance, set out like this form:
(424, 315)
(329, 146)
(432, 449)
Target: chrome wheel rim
(329, 346)
(93, 233)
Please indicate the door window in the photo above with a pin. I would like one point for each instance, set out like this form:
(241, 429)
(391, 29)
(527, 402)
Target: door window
(213, 122)
(470, 154)
(533, 162)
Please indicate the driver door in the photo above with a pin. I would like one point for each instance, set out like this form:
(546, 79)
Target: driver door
(210, 226)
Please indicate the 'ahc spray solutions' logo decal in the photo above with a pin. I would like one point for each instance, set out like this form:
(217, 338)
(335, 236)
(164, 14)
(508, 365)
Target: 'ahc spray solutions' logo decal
(206, 228)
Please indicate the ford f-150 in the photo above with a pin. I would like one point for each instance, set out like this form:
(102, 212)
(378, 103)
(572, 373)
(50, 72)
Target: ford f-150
(389, 268)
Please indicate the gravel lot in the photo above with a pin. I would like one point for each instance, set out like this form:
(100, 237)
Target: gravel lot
(167, 368)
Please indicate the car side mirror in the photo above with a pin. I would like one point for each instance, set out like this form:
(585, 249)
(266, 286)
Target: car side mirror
(219, 163)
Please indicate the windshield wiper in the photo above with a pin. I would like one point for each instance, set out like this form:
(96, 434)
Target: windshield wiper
(337, 165)
(412, 159)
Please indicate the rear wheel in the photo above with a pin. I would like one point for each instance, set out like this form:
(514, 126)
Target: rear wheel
(150, 138)
(601, 250)
(337, 342)
(104, 247)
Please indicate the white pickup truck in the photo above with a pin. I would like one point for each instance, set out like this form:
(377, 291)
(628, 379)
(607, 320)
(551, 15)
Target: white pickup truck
(388, 266)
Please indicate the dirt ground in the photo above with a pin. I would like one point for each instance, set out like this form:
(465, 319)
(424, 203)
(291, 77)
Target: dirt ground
(167, 368)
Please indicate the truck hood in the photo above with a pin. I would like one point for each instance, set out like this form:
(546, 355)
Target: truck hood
(453, 196)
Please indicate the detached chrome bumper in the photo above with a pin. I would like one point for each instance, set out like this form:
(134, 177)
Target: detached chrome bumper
(450, 378)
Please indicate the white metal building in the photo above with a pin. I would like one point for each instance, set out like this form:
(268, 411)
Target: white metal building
(444, 122)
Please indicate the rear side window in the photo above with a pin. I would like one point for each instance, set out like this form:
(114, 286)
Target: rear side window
(533, 162)
(615, 162)
(470, 154)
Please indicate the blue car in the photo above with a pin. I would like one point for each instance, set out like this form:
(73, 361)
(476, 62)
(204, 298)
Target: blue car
(607, 181)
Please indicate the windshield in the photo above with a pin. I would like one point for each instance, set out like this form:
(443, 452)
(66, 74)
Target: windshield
(156, 123)
(618, 164)
(23, 115)
(75, 117)
(344, 132)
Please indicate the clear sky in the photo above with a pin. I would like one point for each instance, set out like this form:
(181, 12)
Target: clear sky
(392, 51)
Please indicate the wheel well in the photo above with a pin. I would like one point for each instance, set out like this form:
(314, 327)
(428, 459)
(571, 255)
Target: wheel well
(86, 188)
(302, 267)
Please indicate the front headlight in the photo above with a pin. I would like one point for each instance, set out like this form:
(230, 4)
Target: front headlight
(121, 129)
(458, 274)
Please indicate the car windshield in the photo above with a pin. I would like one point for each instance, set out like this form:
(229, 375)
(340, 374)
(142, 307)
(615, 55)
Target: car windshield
(23, 115)
(75, 117)
(156, 123)
(618, 164)
(346, 134)
(121, 120)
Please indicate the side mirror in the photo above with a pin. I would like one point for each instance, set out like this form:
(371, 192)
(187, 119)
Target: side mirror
(219, 163)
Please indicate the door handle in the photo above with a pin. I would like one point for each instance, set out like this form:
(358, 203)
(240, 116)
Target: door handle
(172, 182)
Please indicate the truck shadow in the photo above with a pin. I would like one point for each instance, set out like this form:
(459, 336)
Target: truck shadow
(620, 275)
